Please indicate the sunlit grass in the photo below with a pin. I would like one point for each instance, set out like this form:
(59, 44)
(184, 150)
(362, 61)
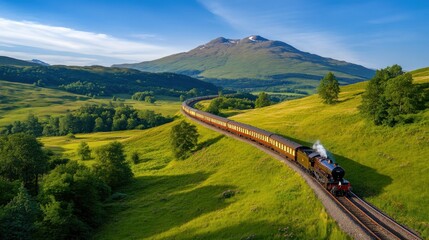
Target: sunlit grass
(172, 199)
(388, 166)
(17, 100)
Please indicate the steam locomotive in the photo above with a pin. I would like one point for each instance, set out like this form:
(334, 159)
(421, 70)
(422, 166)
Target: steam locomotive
(328, 173)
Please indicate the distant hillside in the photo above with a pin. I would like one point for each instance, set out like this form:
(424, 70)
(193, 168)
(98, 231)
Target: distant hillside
(254, 58)
(8, 61)
(103, 81)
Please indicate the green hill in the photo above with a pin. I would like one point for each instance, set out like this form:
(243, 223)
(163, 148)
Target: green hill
(387, 166)
(247, 61)
(104, 81)
(172, 199)
(17, 100)
(8, 61)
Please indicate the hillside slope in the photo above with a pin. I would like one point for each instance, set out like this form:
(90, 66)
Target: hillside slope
(8, 61)
(172, 199)
(387, 166)
(254, 58)
(103, 81)
(18, 100)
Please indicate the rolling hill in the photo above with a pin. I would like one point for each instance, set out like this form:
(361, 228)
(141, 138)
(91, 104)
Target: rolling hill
(100, 81)
(244, 62)
(387, 166)
(8, 61)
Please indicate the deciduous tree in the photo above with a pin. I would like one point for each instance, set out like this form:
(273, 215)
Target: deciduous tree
(112, 166)
(263, 100)
(184, 138)
(329, 88)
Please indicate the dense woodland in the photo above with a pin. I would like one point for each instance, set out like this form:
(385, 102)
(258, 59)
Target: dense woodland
(46, 197)
(89, 118)
(103, 81)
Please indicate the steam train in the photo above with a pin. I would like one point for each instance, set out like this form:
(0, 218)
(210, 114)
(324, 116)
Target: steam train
(328, 173)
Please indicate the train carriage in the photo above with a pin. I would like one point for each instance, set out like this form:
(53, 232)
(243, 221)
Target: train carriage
(253, 133)
(284, 146)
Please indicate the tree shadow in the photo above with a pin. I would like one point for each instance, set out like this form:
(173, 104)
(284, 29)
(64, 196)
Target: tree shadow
(156, 204)
(365, 181)
(208, 142)
(249, 230)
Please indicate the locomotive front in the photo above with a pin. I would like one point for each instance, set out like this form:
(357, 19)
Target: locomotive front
(331, 175)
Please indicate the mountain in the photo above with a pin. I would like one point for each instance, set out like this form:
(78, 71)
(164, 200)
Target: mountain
(101, 81)
(8, 61)
(254, 58)
(40, 62)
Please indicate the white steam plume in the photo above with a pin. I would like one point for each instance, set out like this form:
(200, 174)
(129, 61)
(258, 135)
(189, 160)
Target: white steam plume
(320, 149)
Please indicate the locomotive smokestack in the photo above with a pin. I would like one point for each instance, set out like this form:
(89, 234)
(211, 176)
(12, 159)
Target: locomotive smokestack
(320, 149)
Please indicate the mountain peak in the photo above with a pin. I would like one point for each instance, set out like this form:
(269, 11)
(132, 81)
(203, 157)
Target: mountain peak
(256, 38)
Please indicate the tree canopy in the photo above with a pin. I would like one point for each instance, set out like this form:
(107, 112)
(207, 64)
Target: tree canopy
(389, 96)
(112, 166)
(184, 138)
(263, 100)
(329, 88)
(22, 158)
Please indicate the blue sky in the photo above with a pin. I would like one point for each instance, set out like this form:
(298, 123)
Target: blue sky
(81, 32)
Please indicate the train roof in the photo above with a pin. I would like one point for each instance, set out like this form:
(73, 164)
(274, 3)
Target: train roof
(285, 141)
(252, 128)
(214, 116)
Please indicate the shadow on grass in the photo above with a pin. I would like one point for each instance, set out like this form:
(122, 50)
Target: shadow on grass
(208, 142)
(366, 181)
(247, 230)
(56, 150)
(159, 203)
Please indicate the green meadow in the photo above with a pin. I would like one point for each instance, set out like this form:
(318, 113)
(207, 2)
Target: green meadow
(387, 166)
(17, 100)
(171, 199)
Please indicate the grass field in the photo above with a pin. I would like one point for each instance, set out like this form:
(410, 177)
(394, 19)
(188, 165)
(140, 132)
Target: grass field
(172, 199)
(17, 100)
(387, 166)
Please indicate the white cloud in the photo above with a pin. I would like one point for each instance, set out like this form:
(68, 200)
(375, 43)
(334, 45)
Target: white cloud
(285, 25)
(66, 40)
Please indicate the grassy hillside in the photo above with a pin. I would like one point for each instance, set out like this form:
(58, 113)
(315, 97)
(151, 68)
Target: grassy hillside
(17, 100)
(387, 166)
(172, 199)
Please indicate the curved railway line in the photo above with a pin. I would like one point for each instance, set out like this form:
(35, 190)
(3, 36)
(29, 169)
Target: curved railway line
(355, 216)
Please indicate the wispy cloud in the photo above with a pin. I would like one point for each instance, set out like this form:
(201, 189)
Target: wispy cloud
(66, 40)
(389, 19)
(286, 25)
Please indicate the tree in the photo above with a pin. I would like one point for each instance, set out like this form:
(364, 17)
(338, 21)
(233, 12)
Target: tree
(390, 94)
(33, 126)
(329, 88)
(19, 217)
(84, 151)
(111, 165)
(22, 158)
(149, 99)
(72, 201)
(184, 138)
(99, 125)
(263, 100)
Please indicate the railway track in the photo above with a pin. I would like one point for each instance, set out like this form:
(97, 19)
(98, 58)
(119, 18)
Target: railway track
(378, 224)
(372, 221)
